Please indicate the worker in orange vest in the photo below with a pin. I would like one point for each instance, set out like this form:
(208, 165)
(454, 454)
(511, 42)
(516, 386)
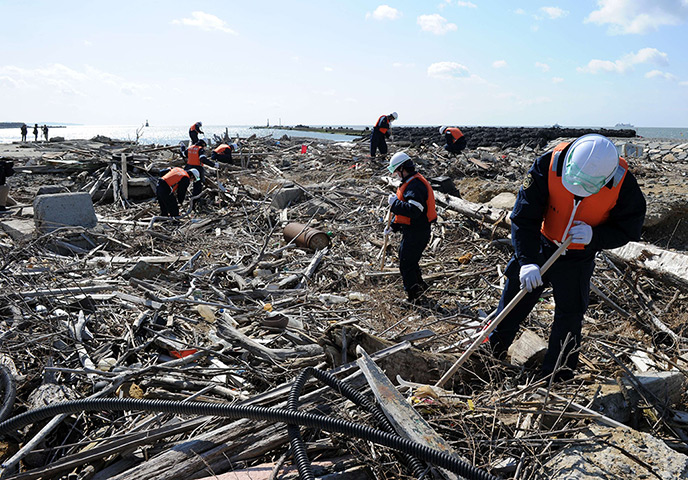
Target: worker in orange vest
(414, 211)
(196, 158)
(582, 190)
(172, 188)
(381, 130)
(223, 152)
(456, 140)
(194, 130)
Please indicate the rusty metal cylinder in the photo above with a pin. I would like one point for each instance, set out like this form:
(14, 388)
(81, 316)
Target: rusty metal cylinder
(306, 237)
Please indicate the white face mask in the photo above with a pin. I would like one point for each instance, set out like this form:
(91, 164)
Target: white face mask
(398, 174)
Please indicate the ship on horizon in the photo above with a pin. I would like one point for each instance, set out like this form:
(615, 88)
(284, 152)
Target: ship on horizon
(623, 125)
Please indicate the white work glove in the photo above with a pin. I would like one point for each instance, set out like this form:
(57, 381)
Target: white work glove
(391, 198)
(581, 232)
(217, 164)
(387, 231)
(530, 277)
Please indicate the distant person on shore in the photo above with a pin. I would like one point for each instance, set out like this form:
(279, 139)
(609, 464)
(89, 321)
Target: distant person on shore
(45, 132)
(456, 140)
(583, 190)
(35, 132)
(381, 130)
(24, 130)
(176, 181)
(194, 130)
(414, 211)
(196, 158)
(6, 170)
(223, 152)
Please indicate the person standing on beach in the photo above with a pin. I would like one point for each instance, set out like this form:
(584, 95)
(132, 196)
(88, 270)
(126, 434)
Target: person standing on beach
(45, 132)
(35, 132)
(456, 140)
(176, 181)
(194, 130)
(414, 211)
(583, 190)
(381, 130)
(24, 130)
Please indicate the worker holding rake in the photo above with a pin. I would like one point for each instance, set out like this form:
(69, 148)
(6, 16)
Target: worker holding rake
(582, 190)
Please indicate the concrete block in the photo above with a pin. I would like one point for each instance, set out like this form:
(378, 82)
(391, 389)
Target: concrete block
(63, 209)
(630, 150)
(286, 197)
(50, 189)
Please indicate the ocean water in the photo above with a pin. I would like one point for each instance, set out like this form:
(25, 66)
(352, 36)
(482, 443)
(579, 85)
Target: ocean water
(171, 135)
(162, 135)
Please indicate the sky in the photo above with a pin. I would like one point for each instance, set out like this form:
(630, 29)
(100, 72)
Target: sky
(345, 62)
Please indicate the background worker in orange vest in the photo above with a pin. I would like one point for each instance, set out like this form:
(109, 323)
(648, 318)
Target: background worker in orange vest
(583, 190)
(414, 211)
(223, 152)
(456, 140)
(194, 130)
(196, 158)
(176, 181)
(381, 130)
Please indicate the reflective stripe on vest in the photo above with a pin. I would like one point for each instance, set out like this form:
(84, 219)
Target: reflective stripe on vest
(430, 212)
(222, 149)
(193, 155)
(455, 133)
(593, 210)
(174, 176)
(377, 124)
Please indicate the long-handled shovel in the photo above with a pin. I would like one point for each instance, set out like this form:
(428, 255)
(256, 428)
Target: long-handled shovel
(384, 245)
(486, 332)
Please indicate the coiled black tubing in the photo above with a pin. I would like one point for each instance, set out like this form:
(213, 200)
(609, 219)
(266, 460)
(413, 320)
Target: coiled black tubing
(289, 416)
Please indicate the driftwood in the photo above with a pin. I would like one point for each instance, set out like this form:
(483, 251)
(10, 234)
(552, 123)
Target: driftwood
(140, 281)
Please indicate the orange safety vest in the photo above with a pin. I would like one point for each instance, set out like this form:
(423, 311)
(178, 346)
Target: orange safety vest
(174, 176)
(193, 156)
(455, 133)
(377, 124)
(430, 210)
(193, 127)
(593, 210)
(222, 149)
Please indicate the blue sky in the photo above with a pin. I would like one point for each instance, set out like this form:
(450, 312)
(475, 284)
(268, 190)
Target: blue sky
(594, 63)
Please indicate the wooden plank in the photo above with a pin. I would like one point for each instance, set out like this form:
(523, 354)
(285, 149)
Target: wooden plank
(666, 265)
(403, 417)
(125, 178)
(133, 260)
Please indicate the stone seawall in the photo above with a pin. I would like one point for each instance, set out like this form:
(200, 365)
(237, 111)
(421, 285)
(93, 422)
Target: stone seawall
(502, 137)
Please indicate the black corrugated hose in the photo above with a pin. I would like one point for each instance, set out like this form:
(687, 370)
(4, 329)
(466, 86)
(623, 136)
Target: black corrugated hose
(301, 459)
(441, 459)
(10, 388)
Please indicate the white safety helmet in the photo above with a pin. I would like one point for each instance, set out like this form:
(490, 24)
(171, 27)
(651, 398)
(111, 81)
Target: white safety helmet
(195, 173)
(590, 163)
(442, 130)
(397, 160)
(200, 124)
(235, 146)
(394, 115)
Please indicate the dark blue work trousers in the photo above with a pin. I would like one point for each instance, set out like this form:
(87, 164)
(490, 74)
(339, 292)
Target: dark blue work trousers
(413, 242)
(377, 141)
(569, 277)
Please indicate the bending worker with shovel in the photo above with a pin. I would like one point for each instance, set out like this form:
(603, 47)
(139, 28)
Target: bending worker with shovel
(583, 190)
